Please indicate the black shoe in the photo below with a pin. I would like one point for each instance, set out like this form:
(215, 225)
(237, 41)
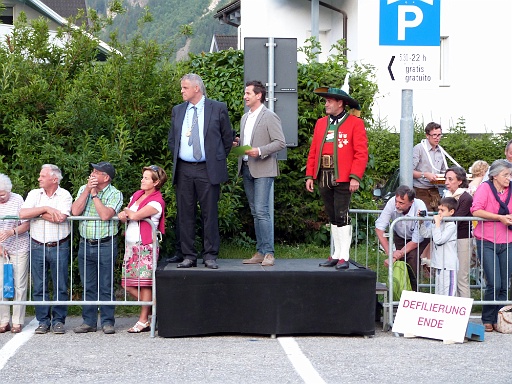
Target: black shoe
(187, 263)
(108, 329)
(329, 263)
(212, 264)
(342, 264)
(175, 259)
(58, 329)
(42, 329)
(84, 328)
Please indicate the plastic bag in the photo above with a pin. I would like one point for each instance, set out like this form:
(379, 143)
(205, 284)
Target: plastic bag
(8, 280)
(400, 279)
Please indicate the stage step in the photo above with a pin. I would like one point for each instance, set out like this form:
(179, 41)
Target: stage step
(382, 289)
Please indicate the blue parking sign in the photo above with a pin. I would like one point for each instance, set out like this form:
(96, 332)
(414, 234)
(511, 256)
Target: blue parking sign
(410, 22)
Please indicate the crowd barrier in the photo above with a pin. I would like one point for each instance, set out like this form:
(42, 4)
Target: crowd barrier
(118, 295)
(366, 250)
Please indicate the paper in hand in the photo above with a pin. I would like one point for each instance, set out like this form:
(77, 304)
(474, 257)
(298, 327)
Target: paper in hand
(239, 151)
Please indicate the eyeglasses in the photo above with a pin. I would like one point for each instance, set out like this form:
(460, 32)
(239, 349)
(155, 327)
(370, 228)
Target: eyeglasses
(436, 135)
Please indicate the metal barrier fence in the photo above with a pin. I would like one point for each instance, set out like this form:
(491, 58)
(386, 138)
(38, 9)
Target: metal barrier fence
(474, 272)
(367, 251)
(64, 256)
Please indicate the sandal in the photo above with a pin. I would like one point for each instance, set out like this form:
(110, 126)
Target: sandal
(16, 328)
(140, 327)
(488, 327)
(4, 328)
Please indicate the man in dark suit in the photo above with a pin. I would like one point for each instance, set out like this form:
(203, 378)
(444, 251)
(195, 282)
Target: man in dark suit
(200, 139)
(260, 129)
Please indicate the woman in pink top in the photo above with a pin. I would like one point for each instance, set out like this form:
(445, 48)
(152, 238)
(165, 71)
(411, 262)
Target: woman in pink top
(137, 273)
(492, 201)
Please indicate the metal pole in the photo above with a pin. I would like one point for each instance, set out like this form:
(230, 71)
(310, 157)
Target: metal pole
(271, 99)
(406, 138)
(271, 68)
(315, 16)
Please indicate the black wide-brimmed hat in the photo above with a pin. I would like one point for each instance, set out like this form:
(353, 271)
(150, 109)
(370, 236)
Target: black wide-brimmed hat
(337, 93)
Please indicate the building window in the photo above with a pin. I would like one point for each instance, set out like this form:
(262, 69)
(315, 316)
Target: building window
(444, 78)
(6, 16)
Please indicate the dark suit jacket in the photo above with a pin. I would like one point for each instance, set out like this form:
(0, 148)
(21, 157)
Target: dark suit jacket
(218, 138)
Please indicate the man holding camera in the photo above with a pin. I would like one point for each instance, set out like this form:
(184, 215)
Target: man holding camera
(406, 237)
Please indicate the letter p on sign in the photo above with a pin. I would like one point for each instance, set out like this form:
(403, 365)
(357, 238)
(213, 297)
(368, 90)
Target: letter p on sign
(404, 24)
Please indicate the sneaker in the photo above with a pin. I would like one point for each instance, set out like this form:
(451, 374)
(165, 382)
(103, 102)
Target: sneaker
(268, 261)
(84, 328)
(42, 329)
(58, 328)
(108, 329)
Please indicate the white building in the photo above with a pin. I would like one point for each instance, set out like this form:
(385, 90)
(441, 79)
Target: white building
(55, 11)
(472, 63)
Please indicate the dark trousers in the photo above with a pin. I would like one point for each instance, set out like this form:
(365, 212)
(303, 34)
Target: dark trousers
(192, 187)
(411, 258)
(336, 198)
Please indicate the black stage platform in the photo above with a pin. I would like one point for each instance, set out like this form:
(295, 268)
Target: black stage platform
(293, 297)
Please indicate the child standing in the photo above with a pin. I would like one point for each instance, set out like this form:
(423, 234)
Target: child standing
(444, 250)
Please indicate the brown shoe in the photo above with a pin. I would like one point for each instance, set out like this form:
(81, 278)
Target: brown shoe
(268, 261)
(257, 258)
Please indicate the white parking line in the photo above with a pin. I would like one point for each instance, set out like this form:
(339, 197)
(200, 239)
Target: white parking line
(300, 362)
(10, 348)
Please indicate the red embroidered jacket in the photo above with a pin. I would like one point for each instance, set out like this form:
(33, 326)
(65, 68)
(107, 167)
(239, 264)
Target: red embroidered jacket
(351, 155)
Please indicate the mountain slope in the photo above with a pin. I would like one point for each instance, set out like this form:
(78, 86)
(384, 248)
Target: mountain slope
(168, 17)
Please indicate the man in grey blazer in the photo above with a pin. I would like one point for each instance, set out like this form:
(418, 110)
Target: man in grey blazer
(200, 139)
(261, 129)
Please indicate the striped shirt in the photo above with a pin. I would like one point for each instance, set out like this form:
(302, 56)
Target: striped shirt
(17, 244)
(44, 231)
(111, 197)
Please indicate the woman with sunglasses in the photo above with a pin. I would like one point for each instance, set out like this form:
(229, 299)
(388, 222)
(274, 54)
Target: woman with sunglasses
(137, 273)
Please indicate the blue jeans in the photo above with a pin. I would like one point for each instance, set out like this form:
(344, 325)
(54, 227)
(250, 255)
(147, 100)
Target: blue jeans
(46, 260)
(96, 264)
(257, 191)
(496, 260)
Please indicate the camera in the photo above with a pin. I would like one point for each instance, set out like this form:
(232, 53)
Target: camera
(422, 213)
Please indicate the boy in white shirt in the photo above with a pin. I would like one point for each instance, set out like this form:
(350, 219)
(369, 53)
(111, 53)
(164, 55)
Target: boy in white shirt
(444, 250)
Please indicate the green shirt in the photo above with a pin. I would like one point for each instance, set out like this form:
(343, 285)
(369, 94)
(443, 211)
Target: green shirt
(111, 197)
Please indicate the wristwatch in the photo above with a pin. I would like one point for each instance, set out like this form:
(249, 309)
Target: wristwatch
(94, 196)
(422, 175)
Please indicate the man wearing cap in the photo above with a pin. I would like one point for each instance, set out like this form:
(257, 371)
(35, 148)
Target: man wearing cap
(337, 159)
(98, 245)
(49, 246)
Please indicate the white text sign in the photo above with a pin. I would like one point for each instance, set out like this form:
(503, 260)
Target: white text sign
(433, 316)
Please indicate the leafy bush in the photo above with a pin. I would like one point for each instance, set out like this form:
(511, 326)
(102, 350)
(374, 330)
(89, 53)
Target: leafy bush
(59, 105)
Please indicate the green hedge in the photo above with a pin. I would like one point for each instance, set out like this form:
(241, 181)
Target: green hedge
(59, 105)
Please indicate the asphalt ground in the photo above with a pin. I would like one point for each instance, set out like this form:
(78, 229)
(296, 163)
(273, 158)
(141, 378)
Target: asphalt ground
(135, 358)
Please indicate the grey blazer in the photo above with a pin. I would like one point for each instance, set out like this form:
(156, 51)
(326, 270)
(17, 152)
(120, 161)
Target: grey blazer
(268, 136)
